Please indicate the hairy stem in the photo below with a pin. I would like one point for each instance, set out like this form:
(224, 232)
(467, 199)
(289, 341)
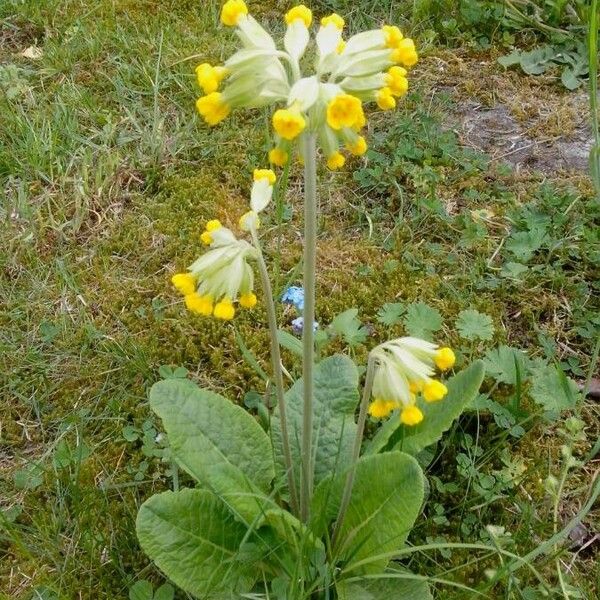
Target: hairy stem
(308, 337)
(362, 417)
(277, 371)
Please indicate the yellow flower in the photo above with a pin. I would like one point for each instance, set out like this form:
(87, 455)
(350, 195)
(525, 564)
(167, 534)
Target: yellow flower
(393, 36)
(232, 11)
(224, 310)
(411, 415)
(333, 19)
(357, 148)
(340, 47)
(335, 161)
(396, 80)
(434, 390)
(198, 304)
(379, 409)
(289, 124)
(445, 359)
(385, 99)
(299, 12)
(213, 225)
(248, 300)
(267, 174)
(184, 283)
(415, 386)
(278, 157)
(405, 53)
(210, 77)
(206, 238)
(213, 108)
(344, 110)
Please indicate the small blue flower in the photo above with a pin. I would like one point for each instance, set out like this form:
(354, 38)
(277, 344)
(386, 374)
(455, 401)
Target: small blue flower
(294, 295)
(298, 325)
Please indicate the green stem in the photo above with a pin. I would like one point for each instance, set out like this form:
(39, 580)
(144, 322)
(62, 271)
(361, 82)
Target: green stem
(277, 371)
(362, 417)
(280, 192)
(308, 337)
(593, 67)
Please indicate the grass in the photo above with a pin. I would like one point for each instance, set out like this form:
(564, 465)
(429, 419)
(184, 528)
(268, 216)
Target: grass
(107, 177)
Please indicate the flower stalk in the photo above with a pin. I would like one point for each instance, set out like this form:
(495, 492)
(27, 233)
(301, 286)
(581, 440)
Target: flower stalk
(309, 144)
(360, 428)
(277, 370)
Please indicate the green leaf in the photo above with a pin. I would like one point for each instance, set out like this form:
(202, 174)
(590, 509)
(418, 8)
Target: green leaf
(506, 364)
(473, 325)
(421, 320)
(386, 499)
(349, 327)
(553, 390)
(289, 342)
(513, 270)
(217, 442)
(391, 313)
(569, 79)
(335, 400)
(523, 244)
(165, 592)
(141, 590)
(439, 416)
(509, 60)
(193, 539)
(397, 588)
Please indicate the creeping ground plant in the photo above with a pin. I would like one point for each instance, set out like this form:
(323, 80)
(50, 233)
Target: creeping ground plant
(303, 509)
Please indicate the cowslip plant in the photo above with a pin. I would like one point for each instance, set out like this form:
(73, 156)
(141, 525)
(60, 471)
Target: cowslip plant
(304, 508)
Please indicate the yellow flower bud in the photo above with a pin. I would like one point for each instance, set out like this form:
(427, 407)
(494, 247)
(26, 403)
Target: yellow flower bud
(267, 174)
(396, 80)
(201, 305)
(334, 19)
(445, 359)
(184, 283)
(345, 110)
(411, 415)
(379, 409)
(299, 12)
(278, 157)
(434, 390)
(224, 310)
(213, 108)
(232, 11)
(405, 53)
(357, 148)
(288, 123)
(385, 99)
(210, 77)
(249, 220)
(248, 300)
(213, 225)
(206, 238)
(393, 36)
(335, 161)
(340, 47)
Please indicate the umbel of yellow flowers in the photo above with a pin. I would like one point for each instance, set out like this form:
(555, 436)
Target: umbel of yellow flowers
(368, 67)
(224, 276)
(404, 369)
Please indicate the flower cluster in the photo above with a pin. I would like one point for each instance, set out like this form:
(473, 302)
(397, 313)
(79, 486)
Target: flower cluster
(223, 275)
(404, 368)
(368, 67)
(294, 296)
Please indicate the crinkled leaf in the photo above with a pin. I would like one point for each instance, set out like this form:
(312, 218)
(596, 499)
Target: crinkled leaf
(421, 320)
(398, 588)
(386, 499)
(193, 539)
(506, 364)
(217, 442)
(553, 390)
(349, 327)
(391, 313)
(141, 590)
(335, 400)
(473, 325)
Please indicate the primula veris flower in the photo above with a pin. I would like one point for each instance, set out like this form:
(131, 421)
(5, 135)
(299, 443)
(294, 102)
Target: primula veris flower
(335, 161)
(370, 66)
(405, 368)
(220, 277)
